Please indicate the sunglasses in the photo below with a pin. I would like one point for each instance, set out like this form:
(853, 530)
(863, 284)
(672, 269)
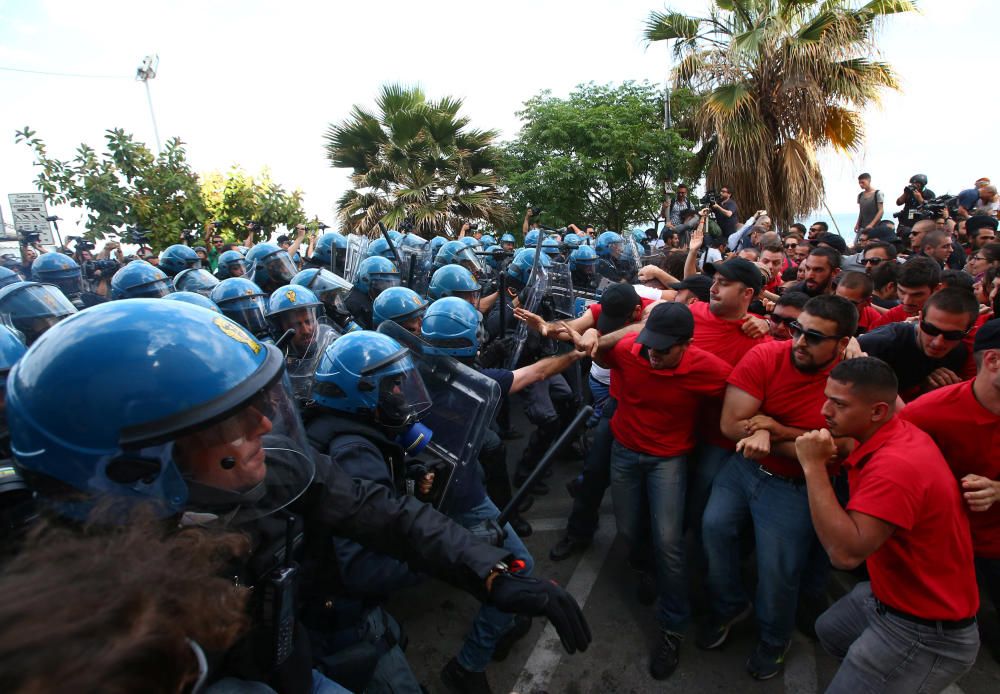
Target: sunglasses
(784, 320)
(872, 261)
(934, 331)
(790, 246)
(814, 338)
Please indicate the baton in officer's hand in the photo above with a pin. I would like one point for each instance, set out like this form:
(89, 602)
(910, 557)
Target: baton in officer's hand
(532, 596)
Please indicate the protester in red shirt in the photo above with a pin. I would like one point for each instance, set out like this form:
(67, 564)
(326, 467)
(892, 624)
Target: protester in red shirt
(912, 627)
(964, 421)
(857, 287)
(918, 278)
(662, 382)
(775, 394)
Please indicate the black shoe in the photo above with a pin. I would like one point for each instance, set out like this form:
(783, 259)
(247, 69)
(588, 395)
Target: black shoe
(666, 656)
(461, 681)
(526, 503)
(521, 526)
(713, 633)
(808, 611)
(567, 547)
(574, 486)
(766, 661)
(522, 625)
(645, 591)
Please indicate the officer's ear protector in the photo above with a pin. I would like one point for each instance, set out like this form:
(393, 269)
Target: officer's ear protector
(415, 439)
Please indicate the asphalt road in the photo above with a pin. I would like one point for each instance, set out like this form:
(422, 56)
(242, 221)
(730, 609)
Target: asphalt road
(436, 618)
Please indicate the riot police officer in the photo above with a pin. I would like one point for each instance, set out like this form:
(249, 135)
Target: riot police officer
(140, 280)
(401, 305)
(64, 272)
(270, 266)
(329, 253)
(332, 290)
(178, 257)
(197, 280)
(609, 251)
(33, 308)
(374, 275)
(203, 428)
(230, 264)
(242, 301)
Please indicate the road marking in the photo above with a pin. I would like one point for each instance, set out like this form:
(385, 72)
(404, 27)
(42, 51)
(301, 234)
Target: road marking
(541, 525)
(952, 689)
(800, 669)
(548, 650)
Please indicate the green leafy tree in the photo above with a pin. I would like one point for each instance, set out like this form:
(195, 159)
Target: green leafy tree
(779, 80)
(126, 185)
(599, 156)
(415, 159)
(236, 198)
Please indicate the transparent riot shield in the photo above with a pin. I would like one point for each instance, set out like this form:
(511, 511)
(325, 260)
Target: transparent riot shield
(464, 403)
(300, 364)
(560, 288)
(538, 286)
(629, 262)
(357, 250)
(415, 267)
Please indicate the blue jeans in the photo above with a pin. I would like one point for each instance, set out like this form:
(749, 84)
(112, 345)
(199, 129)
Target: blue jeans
(599, 392)
(882, 652)
(490, 623)
(783, 530)
(663, 483)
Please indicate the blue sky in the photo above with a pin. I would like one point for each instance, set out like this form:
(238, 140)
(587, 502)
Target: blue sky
(257, 83)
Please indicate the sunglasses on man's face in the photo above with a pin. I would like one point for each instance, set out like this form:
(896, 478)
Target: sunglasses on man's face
(784, 320)
(872, 261)
(814, 338)
(791, 246)
(934, 331)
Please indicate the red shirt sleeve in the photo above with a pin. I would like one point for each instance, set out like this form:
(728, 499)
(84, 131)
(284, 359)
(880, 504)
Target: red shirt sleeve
(884, 498)
(751, 373)
(611, 357)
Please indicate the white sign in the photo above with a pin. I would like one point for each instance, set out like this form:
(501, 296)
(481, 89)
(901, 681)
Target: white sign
(6, 233)
(29, 212)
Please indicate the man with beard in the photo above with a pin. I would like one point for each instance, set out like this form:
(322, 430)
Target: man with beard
(820, 267)
(774, 395)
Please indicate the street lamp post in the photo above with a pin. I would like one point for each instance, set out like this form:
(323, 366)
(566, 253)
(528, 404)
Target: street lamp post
(144, 73)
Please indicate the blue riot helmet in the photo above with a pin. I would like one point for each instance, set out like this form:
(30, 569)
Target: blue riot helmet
(436, 244)
(507, 242)
(242, 301)
(270, 266)
(609, 244)
(381, 247)
(519, 269)
(550, 247)
(639, 235)
(472, 242)
(531, 238)
(487, 240)
(394, 235)
(231, 264)
(192, 413)
(58, 269)
(573, 241)
(451, 326)
(369, 375)
(460, 254)
(325, 246)
(11, 350)
(583, 259)
(33, 308)
(8, 276)
(293, 307)
(375, 275)
(491, 261)
(399, 304)
(454, 280)
(140, 280)
(178, 257)
(328, 287)
(411, 241)
(193, 298)
(196, 280)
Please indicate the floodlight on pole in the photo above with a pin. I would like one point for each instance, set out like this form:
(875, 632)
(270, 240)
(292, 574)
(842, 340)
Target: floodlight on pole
(144, 73)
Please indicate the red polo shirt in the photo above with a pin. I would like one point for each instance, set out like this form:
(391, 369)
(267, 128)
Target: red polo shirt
(788, 395)
(969, 437)
(925, 568)
(868, 318)
(723, 338)
(595, 310)
(657, 408)
(896, 314)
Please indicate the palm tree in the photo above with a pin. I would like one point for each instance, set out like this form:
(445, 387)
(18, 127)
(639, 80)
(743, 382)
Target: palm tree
(779, 80)
(417, 160)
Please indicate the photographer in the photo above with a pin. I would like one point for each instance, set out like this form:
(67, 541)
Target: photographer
(97, 274)
(673, 212)
(531, 219)
(726, 212)
(914, 195)
(31, 248)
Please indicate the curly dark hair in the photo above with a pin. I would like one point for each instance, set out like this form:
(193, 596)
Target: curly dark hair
(111, 610)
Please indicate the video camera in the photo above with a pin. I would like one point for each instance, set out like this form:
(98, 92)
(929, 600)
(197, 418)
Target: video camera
(711, 197)
(935, 208)
(99, 269)
(535, 211)
(82, 244)
(322, 226)
(138, 236)
(190, 237)
(28, 237)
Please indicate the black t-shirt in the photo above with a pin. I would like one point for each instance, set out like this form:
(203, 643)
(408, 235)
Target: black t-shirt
(896, 345)
(910, 203)
(503, 377)
(729, 224)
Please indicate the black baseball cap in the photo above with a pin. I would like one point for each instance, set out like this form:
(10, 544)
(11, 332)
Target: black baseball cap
(739, 269)
(618, 304)
(699, 285)
(832, 240)
(988, 336)
(981, 221)
(668, 324)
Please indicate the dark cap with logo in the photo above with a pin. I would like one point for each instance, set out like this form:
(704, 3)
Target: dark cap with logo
(988, 336)
(668, 324)
(738, 269)
(618, 304)
(699, 285)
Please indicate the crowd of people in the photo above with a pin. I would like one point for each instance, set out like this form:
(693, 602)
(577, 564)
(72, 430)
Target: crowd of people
(320, 422)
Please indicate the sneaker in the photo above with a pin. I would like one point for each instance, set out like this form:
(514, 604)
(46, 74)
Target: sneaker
(713, 633)
(567, 547)
(522, 625)
(766, 661)
(666, 656)
(461, 681)
(645, 591)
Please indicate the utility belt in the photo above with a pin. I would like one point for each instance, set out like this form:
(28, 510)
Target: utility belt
(946, 625)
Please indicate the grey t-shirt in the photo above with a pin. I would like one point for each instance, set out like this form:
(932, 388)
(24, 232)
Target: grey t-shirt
(868, 208)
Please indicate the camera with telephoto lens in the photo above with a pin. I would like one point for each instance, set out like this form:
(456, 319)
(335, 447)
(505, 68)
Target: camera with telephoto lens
(935, 208)
(190, 237)
(28, 237)
(82, 244)
(535, 211)
(710, 198)
(138, 236)
(322, 227)
(99, 269)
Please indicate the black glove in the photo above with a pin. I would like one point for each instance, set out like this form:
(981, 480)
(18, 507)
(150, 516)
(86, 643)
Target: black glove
(532, 596)
(497, 352)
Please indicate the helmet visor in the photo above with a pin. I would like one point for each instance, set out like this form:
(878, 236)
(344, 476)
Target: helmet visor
(251, 463)
(379, 283)
(248, 311)
(152, 290)
(197, 281)
(469, 260)
(302, 357)
(280, 268)
(70, 286)
(402, 397)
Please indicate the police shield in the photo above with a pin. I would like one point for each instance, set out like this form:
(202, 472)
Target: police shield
(464, 403)
(538, 286)
(357, 250)
(300, 364)
(560, 289)
(628, 263)
(415, 267)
